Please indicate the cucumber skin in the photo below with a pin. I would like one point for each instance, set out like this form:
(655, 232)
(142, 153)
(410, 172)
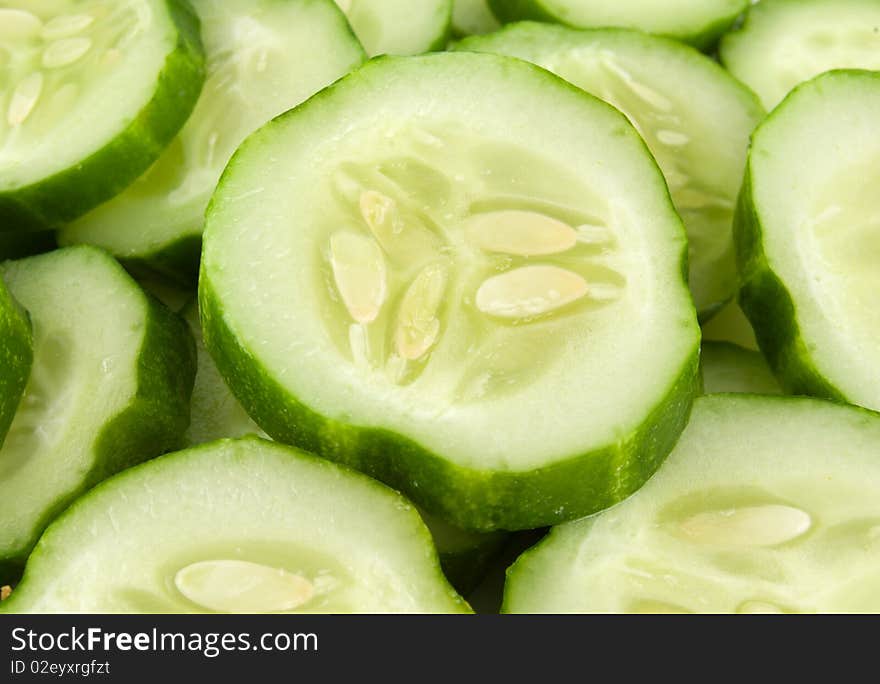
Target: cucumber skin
(481, 500)
(152, 424)
(21, 245)
(770, 308)
(11, 606)
(466, 569)
(16, 356)
(70, 193)
(705, 38)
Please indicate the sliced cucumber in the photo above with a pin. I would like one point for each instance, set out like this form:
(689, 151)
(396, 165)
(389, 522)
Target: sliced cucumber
(215, 413)
(808, 241)
(110, 386)
(698, 22)
(242, 526)
(731, 325)
(785, 42)
(700, 142)
(766, 505)
(731, 368)
(16, 356)
(439, 283)
(473, 17)
(91, 92)
(264, 56)
(399, 27)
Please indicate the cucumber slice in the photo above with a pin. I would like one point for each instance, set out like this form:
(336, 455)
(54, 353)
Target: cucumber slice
(16, 356)
(238, 526)
(786, 42)
(700, 143)
(399, 27)
(766, 505)
(731, 325)
(215, 413)
(473, 17)
(730, 368)
(91, 92)
(807, 238)
(110, 386)
(698, 22)
(264, 56)
(386, 252)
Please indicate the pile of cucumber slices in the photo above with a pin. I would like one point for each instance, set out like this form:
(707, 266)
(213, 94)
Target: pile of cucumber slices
(325, 306)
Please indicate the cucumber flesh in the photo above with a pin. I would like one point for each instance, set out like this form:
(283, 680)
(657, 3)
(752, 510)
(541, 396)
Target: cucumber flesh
(473, 17)
(91, 93)
(456, 277)
(785, 42)
(766, 505)
(731, 325)
(109, 387)
(237, 526)
(399, 27)
(700, 142)
(730, 368)
(808, 242)
(16, 356)
(262, 58)
(698, 22)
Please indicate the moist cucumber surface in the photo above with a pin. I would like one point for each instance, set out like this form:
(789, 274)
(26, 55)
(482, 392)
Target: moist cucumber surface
(698, 22)
(91, 92)
(408, 275)
(699, 142)
(808, 242)
(263, 57)
(473, 17)
(766, 505)
(399, 27)
(731, 325)
(109, 387)
(785, 42)
(216, 414)
(16, 356)
(237, 526)
(730, 368)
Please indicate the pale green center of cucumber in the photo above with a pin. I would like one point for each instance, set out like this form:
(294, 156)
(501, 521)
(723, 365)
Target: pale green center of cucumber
(50, 60)
(844, 229)
(445, 268)
(672, 134)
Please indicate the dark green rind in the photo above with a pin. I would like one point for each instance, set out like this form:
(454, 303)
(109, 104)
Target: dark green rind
(152, 424)
(703, 37)
(70, 193)
(466, 569)
(176, 261)
(16, 357)
(572, 487)
(770, 308)
(21, 245)
(43, 548)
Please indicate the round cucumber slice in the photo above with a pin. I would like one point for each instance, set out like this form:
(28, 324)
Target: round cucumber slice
(16, 356)
(91, 92)
(263, 57)
(766, 505)
(807, 238)
(731, 325)
(731, 368)
(698, 22)
(238, 526)
(473, 17)
(110, 386)
(399, 27)
(410, 275)
(700, 142)
(785, 42)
